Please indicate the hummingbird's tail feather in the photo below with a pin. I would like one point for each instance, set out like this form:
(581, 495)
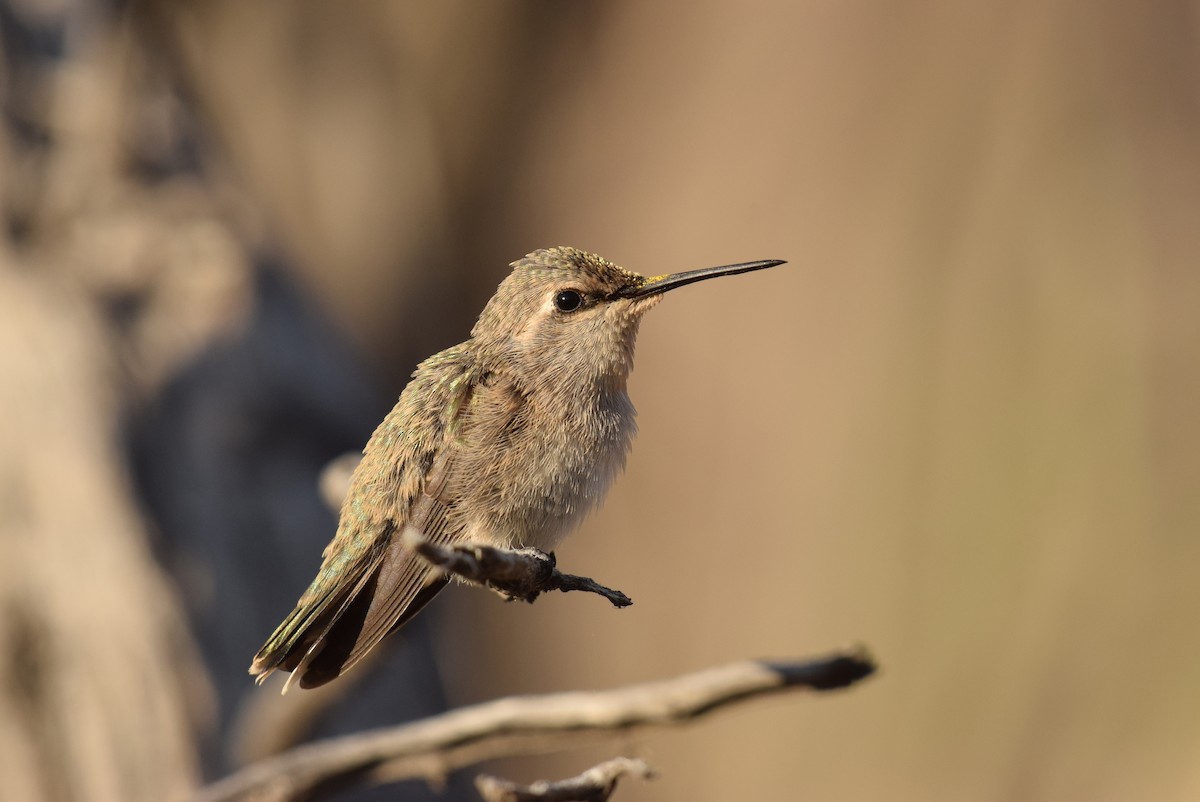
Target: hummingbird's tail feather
(327, 635)
(320, 641)
(303, 630)
(354, 635)
(400, 586)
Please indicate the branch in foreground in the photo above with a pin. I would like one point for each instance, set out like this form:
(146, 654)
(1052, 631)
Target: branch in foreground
(523, 725)
(522, 574)
(594, 785)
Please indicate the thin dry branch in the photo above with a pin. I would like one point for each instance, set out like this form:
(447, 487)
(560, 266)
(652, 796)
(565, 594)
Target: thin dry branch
(516, 574)
(523, 725)
(594, 785)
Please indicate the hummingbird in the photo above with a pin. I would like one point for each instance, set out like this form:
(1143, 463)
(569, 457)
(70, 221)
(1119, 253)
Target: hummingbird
(506, 440)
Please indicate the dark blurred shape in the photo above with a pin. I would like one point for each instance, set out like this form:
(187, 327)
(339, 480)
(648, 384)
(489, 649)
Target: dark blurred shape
(228, 457)
(196, 368)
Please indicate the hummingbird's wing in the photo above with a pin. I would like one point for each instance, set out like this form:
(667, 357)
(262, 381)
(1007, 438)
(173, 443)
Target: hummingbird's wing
(365, 560)
(483, 407)
(370, 583)
(395, 590)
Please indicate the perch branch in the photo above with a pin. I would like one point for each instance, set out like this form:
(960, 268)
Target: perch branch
(594, 785)
(522, 725)
(522, 574)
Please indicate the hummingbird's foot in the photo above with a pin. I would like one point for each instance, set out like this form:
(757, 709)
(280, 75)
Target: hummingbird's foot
(515, 574)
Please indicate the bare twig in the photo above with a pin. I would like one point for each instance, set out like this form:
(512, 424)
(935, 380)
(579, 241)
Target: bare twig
(523, 725)
(594, 785)
(516, 574)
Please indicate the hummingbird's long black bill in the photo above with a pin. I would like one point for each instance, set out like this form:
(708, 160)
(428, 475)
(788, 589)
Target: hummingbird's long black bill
(659, 284)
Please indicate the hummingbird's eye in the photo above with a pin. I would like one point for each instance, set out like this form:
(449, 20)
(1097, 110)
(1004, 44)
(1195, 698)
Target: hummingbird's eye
(568, 300)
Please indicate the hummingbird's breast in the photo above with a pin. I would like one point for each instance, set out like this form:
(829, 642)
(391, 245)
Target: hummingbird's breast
(552, 462)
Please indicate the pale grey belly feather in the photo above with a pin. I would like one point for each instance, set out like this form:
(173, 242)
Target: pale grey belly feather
(563, 478)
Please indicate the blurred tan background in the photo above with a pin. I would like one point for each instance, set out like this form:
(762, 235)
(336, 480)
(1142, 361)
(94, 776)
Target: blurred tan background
(962, 426)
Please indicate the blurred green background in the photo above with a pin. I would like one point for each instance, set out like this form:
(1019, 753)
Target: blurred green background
(962, 426)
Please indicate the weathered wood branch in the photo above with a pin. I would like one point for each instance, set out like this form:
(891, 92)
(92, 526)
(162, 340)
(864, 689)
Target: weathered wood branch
(594, 785)
(523, 725)
(516, 574)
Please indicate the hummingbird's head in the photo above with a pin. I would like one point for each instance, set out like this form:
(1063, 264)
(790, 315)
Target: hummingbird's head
(573, 316)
